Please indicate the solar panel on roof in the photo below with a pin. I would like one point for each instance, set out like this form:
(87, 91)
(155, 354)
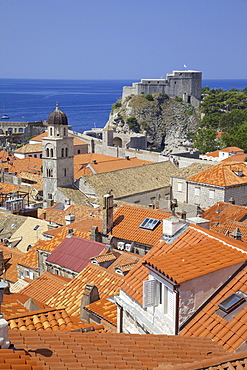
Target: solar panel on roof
(149, 223)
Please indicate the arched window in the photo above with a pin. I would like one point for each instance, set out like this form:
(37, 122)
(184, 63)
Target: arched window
(51, 131)
(51, 153)
(65, 172)
(47, 173)
(66, 152)
(62, 152)
(47, 152)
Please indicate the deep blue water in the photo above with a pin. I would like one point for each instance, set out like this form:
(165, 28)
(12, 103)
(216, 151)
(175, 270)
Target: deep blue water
(87, 103)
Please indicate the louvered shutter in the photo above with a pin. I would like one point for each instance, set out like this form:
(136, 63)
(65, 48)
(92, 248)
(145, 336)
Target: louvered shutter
(150, 293)
(170, 302)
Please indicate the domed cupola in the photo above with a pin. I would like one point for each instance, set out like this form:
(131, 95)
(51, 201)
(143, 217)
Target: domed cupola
(57, 117)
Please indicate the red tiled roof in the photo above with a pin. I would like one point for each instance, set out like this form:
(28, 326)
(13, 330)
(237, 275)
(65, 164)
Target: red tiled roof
(236, 361)
(50, 319)
(45, 286)
(196, 260)
(240, 157)
(12, 257)
(76, 350)
(221, 212)
(105, 309)
(80, 212)
(231, 333)
(108, 284)
(194, 235)
(221, 175)
(127, 221)
(74, 253)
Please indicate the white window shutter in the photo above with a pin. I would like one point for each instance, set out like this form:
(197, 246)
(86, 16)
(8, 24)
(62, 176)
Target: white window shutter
(150, 293)
(170, 302)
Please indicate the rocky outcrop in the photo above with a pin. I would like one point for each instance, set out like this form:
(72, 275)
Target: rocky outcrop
(167, 121)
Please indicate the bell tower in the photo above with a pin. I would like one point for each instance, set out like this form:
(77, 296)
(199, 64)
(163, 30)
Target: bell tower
(58, 156)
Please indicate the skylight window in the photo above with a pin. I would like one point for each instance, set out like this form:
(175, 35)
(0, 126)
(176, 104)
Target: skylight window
(13, 225)
(232, 302)
(36, 227)
(149, 223)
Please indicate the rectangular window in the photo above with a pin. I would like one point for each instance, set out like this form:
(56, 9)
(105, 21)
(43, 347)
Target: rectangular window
(197, 191)
(211, 193)
(150, 293)
(180, 186)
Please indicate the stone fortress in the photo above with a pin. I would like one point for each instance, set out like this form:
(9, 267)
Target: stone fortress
(184, 84)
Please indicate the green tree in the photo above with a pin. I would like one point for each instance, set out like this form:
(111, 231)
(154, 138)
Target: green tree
(205, 140)
(237, 136)
(133, 124)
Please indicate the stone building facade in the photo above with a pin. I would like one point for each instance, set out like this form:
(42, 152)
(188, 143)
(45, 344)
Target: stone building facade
(184, 84)
(58, 156)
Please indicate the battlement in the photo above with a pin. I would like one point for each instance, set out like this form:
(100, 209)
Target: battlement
(185, 84)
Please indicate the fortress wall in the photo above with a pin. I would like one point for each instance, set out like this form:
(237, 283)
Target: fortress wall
(184, 84)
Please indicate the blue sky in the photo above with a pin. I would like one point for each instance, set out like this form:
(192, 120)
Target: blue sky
(127, 39)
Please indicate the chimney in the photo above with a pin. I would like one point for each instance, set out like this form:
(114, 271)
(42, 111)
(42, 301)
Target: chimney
(173, 205)
(231, 200)
(237, 234)
(4, 343)
(69, 219)
(90, 295)
(107, 213)
(171, 226)
(70, 233)
(183, 215)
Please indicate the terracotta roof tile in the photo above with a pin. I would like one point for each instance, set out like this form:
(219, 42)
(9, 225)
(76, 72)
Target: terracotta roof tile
(80, 212)
(105, 309)
(127, 221)
(221, 175)
(108, 284)
(29, 148)
(109, 350)
(50, 319)
(14, 304)
(11, 256)
(194, 235)
(231, 333)
(221, 212)
(196, 260)
(45, 286)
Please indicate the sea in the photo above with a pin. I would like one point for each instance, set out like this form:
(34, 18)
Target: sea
(87, 103)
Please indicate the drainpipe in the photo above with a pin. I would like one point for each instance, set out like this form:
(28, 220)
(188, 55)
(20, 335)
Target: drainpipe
(176, 310)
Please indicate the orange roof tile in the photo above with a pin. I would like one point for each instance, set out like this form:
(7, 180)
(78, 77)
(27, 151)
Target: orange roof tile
(74, 350)
(221, 175)
(196, 260)
(221, 212)
(12, 257)
(105, 309)
(14, 304)
(45, 286)
(194, 235)
(29, 148)
(8, 188)
(240, 157)
(228, 227)
(227, 362)
(108, 284)
(127, 221)
(50, 319)
(231, 337)
(80, 212)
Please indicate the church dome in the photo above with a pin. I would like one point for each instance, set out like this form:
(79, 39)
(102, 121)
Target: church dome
(57, 117)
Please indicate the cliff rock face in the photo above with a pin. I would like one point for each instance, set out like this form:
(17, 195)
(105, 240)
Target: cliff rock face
(167, 121)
